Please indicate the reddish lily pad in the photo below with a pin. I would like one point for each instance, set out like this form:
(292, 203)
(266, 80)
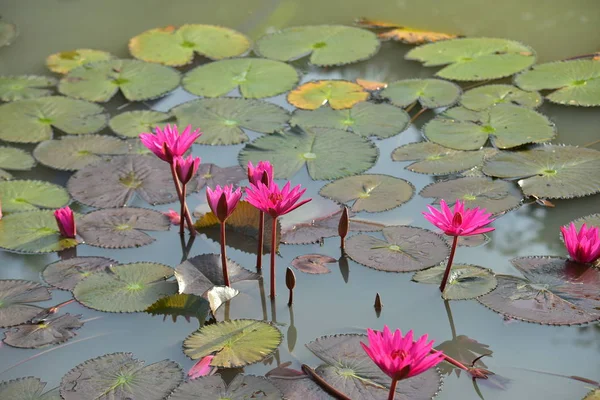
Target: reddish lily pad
(15, 298)
(313, 263)
(212, 175)
(65, 274)
(53, 330)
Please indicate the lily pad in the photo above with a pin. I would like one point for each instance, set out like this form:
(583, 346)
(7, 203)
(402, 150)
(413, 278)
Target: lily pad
(15, 298)
(70, 153)
(176, 46)
(433, 159)
(430, 93)
(589, 220)
(594, 394)
(120, 376)
(120, 228)
(313, 263)
(505, 125)
(213, 387)
(255, 77)
(465, 281)
(219, 295)
(404, 34)
(212, 175)
(137, 80)
(125, 287)
(181, 305)
(65, 274)
(338, 94)
(300, 387)
(28, 195)
(496, 196)
(324, 151)
(326, 44)
(364, 119)
(33, 120)
(463, 348)
(15, 159)
(53, 330)
(554, 291)
(488, 96)
(199, 274)
(574, 82)
(474, 59)
(8, 33)
(132, 123)
(551, 171)
(29, 388)
(64, 61)
(25, 87)
(237, 342)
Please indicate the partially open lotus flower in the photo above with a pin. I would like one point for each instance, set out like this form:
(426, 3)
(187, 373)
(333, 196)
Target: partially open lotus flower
(186, 168)
(168, 143)
(223, 200)
(583, 245)
(66, 222)
(263, 172)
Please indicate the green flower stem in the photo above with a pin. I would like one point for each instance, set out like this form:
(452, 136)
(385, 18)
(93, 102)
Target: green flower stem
(273, 247)
(261, 232)
(224, 256)
(449, 265)
(186, 214)
(393, 389)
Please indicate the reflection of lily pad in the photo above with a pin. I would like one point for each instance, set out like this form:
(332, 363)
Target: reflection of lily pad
(52, 330)
(236, 342)
(371, 192)
(255, 77)
(324, 151)
(431, 158)
(15, 298)
(213, 387)
(29, 388)
(8, 33)
(25, 87)
(132, 123)
(464, 282)
(221, 120)
(64, 61)
(26, 195)
(326, 44)
(430, 93)
(404, 249)
(212, 175)
(555, 291)
(487, 96)
(338, 94)
(65, 274)
(14, 159)
(551, 171)
(313, 263)
(181, 305)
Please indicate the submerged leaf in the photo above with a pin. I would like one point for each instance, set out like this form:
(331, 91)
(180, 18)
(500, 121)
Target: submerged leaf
(25, 87)
(213, 387)
(52, 330)
(64, 61)
(15, 298)
(404, 34)
(313, 263)
(65, 274)
(430, 93)
(27, 195)
(488, 96)
(132, 123)
(431, 158)
(212, 175)
(338, 94)
(29, 388)
(464, 282)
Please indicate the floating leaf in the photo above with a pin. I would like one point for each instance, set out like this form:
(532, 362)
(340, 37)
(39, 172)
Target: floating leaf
(52, 330)
(199, 274)
(120, 376)
(431, 158)
(300, 387)
(469, 241)
(313, 263)
(64, 61)
(487, 96)
(213, 387)
(255, 77)
(31, 121)
(137, 80)
(554, 291)
(371, 86)
(338, 94)
(125, 287)
(25, 87)
(212, 175)
(70, 153)
(15, 159)
(474, 59)
(326, 44)
(237, 342)
(8, 33)
(365, 119)
(15, 298)
(28, 195)
(65, 274)
(181, 305)
(505, 125)
(114, 183)
(404, 34)
(496, 196)
(324, 151)
(404, 249)
(589, 220)
(371, 192)
(575, 82)
(120, 228)
(176, 46)
(465, 281)
(430, 93)
(463, 348)
(594, 394)
(551, 171)
(132, 123)
(29, 388)
(219, 295)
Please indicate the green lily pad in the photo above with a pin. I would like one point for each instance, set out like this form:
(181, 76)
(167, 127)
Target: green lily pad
(430, 93)
(221, 120)
(125, 287)
(237, 342)
(337, 93)
(181, 305)
(574, 82)
(28, 195)
(213, 387)
(132, 123)
(25, 87)
(550, 171)
(33, 232)
(53, 330)
(505, 125)
(15, 298)
(371, 192)
(496, 196)
(404, 249)
(120, 376)
(137, 80)
(176, 46)
(464, 282)
(364, 119)
(588, 220)
(326, 44)
(14, 159)
(324, 151)
(64, 61)
(70, 153)
(31, 121)
(255, 77)
(65, 274)
(474, 59)
(8, 33)
(488, 96)
(29, 388)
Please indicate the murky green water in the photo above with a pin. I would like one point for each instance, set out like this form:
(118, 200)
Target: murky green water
(325, 304)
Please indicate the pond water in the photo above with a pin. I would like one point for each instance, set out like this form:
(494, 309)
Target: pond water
(330, 303)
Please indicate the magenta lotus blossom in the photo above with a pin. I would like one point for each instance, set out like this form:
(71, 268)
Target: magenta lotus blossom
(186, 168)
(401, 357)
(66, 222)
(201, 368)
(262, 173)
(583, 246)
(168, 143)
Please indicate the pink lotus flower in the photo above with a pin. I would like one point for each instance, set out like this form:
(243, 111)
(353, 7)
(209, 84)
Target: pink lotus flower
(186, 168)
(257, 174)
(583, 246)
(271, 200)
(173, 216)
(460, 222)
(222, 201)
(201, 368)
(168, 143)
(66, 222)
